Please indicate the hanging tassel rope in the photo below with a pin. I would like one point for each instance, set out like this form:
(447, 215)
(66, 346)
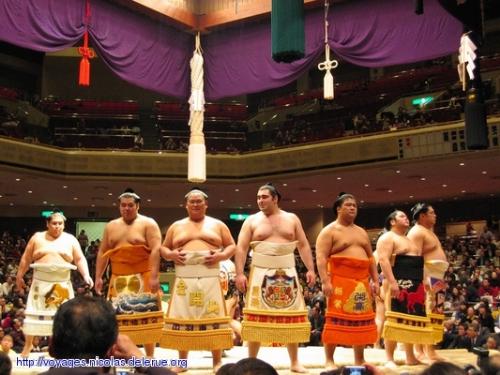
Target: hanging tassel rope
(327, 65)
(197, 150)
(86, 52)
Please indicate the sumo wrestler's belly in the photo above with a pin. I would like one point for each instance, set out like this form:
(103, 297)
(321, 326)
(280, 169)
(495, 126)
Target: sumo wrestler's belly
(53, 258)
(195, 245)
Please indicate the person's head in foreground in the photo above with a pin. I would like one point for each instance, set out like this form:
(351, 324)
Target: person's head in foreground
(84, 327)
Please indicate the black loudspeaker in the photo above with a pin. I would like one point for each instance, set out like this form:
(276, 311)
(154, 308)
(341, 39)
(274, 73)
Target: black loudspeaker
(419, 7)
(476, 130)
(468, 12)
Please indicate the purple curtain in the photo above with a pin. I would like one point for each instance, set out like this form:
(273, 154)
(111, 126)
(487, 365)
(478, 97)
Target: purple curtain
(238, 60)
(390, 33)
(366, 33)
(140, 50)
(41, 25)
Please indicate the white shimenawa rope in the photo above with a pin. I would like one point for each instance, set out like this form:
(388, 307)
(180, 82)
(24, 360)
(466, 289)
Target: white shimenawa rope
(197, 150)
(327, 65)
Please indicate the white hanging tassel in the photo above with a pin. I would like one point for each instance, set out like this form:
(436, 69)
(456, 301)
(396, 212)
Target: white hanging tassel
(197, 150)
(328, 86)
(328, 65)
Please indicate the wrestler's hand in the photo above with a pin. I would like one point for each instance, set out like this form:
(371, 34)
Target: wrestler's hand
(311, 278)
(20, 285)
(327, 288)
(175, 255)
(124, 348)
(154, 283)
(241, 283)
(394, 290)
(213, 258)
(88, 281)
(98, 285)
(375, 289)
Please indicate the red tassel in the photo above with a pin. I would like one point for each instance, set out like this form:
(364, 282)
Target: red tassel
(87, 54)
(84, 79)
(85, 51)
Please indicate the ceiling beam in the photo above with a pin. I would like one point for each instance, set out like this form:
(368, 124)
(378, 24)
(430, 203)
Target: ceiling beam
(245, 11)
(187, 19)
(160, 10)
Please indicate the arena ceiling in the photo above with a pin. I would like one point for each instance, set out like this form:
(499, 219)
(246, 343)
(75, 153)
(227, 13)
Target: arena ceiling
(204, 15)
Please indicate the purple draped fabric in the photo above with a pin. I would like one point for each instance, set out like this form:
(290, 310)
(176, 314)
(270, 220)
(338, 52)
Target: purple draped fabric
(367, 33)
(141, 51)
(238, 60)
(42, 25)
(390, 33)
(147, 53)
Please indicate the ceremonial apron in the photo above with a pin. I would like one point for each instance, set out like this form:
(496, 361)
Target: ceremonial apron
(51, 286)
(405, 317)
(349, 319)
(138, 311)
(196, 317)
(275, 311)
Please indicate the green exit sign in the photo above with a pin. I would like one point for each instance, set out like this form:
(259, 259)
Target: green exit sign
(238, 217)
(165, 288)
(47, 213)
(422, 101)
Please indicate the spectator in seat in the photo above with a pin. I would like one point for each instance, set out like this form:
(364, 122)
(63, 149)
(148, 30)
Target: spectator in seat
(474, 334)
(485, 317)
(461, 341)
(493, 342)
(138, 142)
(317, 320)
(486, 289)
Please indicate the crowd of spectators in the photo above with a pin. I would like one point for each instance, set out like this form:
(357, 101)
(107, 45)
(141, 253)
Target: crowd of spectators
(221, 135)
(357, 110)
(473, 293)
(329, 125)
